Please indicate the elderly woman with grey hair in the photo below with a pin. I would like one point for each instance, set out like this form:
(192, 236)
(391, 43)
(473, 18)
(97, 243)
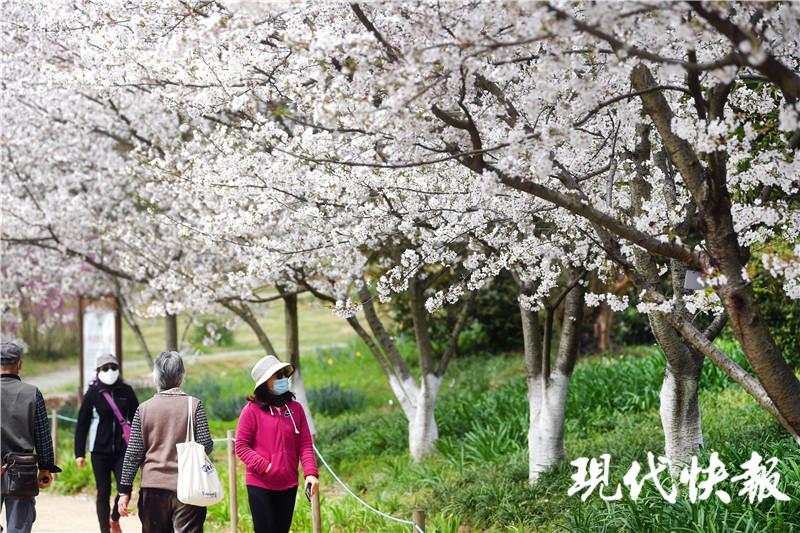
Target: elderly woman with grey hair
(154, 433)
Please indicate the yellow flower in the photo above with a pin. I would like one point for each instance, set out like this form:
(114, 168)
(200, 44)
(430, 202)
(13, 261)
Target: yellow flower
(358, 354)
(329, 361)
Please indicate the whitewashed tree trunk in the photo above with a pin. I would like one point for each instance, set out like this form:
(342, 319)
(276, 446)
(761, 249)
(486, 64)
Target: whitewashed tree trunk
(547, 390)
(679, 397)
(679, 402)
(422, 428)
(547, 403)
(406, 392)
(680, 417)
(416, 399)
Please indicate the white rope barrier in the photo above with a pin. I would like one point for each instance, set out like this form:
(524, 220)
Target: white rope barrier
(362, 502)
(350, 492)
(66, 418)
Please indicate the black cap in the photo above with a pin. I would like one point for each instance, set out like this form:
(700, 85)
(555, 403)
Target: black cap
(10, 353)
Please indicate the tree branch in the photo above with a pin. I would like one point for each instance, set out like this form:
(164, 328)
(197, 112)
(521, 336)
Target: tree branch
(461, 321)
(575, 205)
(391, 51)
(777, 72)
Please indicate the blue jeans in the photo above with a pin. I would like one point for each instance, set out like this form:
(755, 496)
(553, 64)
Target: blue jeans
(20, 514)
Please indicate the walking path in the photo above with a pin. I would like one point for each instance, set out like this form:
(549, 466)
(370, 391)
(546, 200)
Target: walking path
(56, 513)
(57, 380)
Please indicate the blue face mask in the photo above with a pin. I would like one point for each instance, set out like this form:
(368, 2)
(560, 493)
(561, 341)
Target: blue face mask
(280, 386)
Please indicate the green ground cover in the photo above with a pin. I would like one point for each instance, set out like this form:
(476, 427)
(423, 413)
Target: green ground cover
(477, 476)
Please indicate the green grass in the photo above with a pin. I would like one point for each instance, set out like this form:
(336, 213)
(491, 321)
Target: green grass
(318, 327)
(32, 365)
(477, 475)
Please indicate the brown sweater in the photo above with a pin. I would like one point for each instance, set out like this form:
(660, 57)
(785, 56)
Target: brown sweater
(160, 424)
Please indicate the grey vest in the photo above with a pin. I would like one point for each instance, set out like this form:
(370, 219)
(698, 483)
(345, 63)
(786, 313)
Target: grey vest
(163, 418)
(17, 415)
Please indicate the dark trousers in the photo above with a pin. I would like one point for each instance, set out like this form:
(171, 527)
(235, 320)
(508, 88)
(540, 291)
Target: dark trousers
(160, 511)
(20, 514)
(272, 510)
(103, 465)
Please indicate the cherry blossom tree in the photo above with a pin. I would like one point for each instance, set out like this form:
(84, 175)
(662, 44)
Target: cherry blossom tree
(608, 113)
(549, 94)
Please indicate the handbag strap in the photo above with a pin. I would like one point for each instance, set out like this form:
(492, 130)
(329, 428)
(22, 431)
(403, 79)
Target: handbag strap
(189, 424)
(112, 403)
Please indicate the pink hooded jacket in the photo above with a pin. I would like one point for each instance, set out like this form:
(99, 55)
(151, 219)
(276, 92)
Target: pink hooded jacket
(279, 437)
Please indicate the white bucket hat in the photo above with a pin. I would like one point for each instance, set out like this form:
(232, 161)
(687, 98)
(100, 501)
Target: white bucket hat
(266, 368)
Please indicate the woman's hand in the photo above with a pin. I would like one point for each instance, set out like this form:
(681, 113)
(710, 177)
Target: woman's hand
(122, 506)
(267, 470)
(314, 482)
(80, 461)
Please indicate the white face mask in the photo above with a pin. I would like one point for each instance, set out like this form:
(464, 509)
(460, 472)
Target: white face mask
(109, 377)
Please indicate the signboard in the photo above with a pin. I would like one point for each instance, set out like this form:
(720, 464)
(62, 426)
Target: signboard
(695, 281)
(101, 333)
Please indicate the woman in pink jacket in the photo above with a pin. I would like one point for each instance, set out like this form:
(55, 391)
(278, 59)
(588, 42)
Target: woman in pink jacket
(271, 439)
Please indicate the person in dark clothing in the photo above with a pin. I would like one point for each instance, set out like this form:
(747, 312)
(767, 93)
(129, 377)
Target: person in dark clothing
(24, 428)
(100, 432)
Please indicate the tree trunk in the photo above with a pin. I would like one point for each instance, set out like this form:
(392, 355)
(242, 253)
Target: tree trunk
(679, 402)
(406, 392)
(137, 332)
(680, 415)
(679, 397)
(171, 325)
(417, 401)
(547, 401)
(753, 334)
(127, 314)
(422, 428)
(293, 354)
(605, 315)
(602, 327)
(708, 188)
(404, 388)
(547, 391)
(244, 312)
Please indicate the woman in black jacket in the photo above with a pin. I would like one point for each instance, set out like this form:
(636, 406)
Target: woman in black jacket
(100, 431)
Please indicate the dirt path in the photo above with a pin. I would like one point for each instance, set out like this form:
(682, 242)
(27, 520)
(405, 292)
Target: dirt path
(72, 514)
(58, 380)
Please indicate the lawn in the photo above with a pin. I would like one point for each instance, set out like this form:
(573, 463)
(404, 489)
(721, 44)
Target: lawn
(318, 327)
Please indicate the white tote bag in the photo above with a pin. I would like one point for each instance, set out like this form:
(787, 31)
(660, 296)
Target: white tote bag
(198, 482)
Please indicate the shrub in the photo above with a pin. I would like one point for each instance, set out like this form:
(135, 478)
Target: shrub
(222, 399)
(353, 436)
(779, 311)
(495, 321)
(48, 341)
(333, 400)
